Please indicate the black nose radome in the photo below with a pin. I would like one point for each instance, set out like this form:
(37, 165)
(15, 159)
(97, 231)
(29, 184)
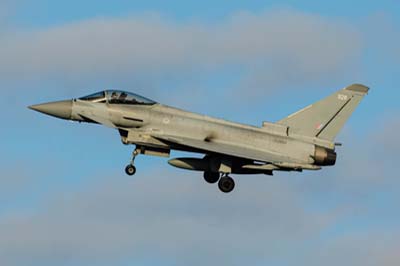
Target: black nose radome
(61, 109)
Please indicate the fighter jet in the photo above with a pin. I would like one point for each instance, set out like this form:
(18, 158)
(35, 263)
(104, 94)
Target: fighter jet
(302, 141)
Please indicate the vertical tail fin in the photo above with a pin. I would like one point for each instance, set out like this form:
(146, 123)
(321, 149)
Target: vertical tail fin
(324, 119)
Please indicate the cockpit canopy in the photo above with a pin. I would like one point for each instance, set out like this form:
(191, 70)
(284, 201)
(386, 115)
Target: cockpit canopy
(117, 97)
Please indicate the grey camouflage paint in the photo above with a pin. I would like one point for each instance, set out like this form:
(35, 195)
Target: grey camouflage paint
(302, 141)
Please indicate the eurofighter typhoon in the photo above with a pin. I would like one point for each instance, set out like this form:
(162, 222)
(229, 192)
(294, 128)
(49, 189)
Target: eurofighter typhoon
(301, 141)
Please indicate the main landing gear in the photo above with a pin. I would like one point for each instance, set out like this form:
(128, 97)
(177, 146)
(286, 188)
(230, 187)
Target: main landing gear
(211, 177)
(226, 184)
(130, 169)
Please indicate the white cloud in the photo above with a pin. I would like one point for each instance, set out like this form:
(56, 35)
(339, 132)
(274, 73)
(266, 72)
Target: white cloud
(179, 219)
(303, 46)
(182, 220)
(375, 247)
(163, 215)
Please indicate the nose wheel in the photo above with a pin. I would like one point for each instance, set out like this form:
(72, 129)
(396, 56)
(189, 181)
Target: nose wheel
(130, 169)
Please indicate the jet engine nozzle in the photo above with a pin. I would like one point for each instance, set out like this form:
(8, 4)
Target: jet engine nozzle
(324, 157)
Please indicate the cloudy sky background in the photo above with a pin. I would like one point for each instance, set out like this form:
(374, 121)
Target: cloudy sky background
(64, 198)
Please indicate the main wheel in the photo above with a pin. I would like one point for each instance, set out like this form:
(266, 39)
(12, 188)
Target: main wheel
(226, 184)
(130, 170)
(211, 177)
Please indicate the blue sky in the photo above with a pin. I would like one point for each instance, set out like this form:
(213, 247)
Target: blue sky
(64, 198)
(50, 13)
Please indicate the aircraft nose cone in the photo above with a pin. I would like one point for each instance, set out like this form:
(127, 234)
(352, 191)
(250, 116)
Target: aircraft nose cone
(61, 109)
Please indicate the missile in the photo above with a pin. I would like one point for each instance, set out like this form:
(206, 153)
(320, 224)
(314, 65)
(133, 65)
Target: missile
(194, 164)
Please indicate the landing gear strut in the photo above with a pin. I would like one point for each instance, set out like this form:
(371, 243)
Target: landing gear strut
(226, 184)
(130, 169)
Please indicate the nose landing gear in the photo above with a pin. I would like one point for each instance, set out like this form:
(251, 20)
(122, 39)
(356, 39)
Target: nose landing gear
(130, 169)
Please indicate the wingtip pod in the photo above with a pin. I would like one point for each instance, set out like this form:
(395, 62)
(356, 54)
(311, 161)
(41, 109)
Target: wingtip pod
(358, 88)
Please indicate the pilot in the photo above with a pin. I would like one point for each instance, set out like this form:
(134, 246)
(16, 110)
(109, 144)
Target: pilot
(122, 97)
(114, 97)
